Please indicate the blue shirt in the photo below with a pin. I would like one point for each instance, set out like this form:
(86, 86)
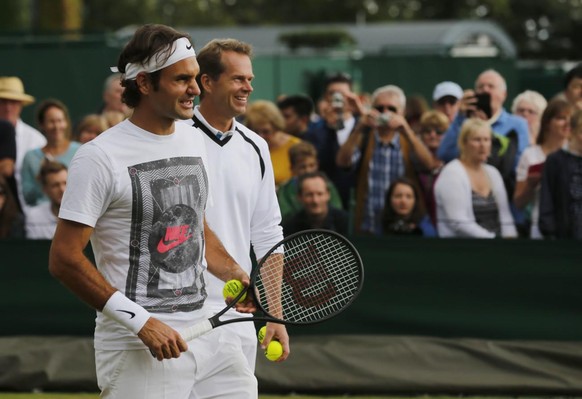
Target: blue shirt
(449, 150)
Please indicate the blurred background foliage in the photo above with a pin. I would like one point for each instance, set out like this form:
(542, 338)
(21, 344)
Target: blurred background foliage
(541, 29)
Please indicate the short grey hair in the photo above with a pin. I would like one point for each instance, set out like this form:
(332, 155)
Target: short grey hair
(393, 90)
(110, 79)
(491, 70)
(532, 97)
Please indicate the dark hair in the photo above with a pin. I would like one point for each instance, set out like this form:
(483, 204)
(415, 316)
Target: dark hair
(301, 104)
(554, 108)
(210, 58)
(311, 175)
(147, 41)
(390, 219)
(416, 105)
(339, 77)
(575, 72)
(9, 213)
(49, 103)
(47, 168)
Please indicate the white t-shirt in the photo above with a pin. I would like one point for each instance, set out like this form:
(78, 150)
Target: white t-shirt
(531, 156)
(245, 209)
(343, 134)
(41, 223)
(145, 196)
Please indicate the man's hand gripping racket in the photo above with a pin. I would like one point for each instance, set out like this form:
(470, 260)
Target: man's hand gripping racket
(306, 278)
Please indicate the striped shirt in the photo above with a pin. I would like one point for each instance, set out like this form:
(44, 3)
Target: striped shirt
(386, 165)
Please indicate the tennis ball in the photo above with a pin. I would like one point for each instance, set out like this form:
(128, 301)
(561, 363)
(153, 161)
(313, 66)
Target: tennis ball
(274, 350)
(261, 334)
(232, 288)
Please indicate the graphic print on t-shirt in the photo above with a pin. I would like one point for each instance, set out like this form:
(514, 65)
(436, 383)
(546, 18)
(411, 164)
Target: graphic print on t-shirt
(167, 234)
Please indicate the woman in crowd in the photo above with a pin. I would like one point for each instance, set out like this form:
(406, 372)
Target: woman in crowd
(433, 124)
(554, 133)
(402, 213)
(265, 119)
(52, 117)
(89, 127)
(11, 219)
(530, 105)
(470, 196)
(561, 190)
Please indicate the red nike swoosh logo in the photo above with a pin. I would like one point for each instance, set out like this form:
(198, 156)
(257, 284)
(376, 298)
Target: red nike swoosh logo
(164, 247)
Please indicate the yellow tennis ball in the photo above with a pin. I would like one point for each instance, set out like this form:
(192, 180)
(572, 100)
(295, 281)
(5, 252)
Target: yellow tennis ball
(261, 334)
(232, 288)
(274, 350)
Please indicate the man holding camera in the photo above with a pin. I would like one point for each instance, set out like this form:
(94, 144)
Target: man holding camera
(340, 109)
(485, 102)
(379, 151)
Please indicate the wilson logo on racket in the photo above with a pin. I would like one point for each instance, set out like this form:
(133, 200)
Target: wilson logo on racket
(175, 235)
(309, 281)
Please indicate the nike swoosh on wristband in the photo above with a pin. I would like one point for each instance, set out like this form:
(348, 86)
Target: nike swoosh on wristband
(128, 312)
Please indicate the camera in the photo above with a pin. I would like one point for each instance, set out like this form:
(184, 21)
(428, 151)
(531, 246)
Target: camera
(337, 100)
(337, 104)
(483, 103)
(383, 119)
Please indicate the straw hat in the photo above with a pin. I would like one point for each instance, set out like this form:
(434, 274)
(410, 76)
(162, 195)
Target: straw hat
(11, 88)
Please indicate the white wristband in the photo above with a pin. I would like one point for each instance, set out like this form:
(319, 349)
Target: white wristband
(126, 312)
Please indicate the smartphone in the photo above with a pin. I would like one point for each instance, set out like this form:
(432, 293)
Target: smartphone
(484, 103)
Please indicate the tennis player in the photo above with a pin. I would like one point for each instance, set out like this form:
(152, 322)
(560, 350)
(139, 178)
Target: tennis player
(139, 193)
(246, 210)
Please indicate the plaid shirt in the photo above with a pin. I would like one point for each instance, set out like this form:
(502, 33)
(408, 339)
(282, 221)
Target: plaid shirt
(386, 164)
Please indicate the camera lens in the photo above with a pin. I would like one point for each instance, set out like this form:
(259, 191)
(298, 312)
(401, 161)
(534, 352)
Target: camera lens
(383, 119)
(337, 100)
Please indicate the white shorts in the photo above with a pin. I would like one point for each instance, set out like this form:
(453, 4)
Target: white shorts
(247, 336)
(213, 367)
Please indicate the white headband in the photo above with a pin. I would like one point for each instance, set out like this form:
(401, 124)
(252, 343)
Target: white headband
(181, 49)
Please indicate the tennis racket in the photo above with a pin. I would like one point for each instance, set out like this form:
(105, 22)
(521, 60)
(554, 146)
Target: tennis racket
(306, 278)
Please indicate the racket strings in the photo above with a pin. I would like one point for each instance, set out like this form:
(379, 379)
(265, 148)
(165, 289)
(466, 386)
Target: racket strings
(311, 278)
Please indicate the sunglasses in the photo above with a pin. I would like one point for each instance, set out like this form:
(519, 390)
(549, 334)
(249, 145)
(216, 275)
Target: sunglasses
(428, 130)
(384, 108)
(447, 100)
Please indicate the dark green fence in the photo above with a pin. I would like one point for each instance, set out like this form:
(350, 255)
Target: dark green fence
(514, 289)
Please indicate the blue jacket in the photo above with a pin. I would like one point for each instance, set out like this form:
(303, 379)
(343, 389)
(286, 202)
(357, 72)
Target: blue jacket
(449, 150)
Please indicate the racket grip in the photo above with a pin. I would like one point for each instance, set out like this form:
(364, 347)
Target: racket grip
(196, 330)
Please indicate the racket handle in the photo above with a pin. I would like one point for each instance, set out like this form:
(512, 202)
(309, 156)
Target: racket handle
(196, 330)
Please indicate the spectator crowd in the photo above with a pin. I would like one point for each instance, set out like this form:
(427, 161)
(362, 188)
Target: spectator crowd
(383, 163)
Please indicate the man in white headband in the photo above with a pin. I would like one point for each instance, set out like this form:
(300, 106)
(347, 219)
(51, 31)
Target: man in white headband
(139, 192)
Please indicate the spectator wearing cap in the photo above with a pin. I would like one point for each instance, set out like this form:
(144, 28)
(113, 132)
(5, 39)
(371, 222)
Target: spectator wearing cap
(446, 97)
(573, 87)
(12, 100)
